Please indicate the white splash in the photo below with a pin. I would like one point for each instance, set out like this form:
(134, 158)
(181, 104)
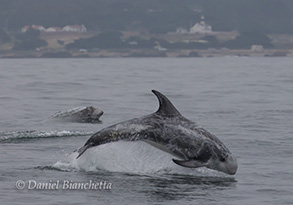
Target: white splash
(129, 157)
(21, 135)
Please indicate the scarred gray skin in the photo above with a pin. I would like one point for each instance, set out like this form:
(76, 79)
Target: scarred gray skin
(87, 114)
(169, 131)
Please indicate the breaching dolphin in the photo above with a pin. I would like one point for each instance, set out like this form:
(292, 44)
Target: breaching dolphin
(169, 131)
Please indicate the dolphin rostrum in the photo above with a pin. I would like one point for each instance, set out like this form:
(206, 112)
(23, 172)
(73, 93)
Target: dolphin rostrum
(169, 131)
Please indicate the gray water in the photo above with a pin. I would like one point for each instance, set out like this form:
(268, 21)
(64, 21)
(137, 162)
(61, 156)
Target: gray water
(246, 102)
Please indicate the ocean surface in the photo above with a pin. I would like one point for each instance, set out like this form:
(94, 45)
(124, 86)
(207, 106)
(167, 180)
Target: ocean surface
(246, 102)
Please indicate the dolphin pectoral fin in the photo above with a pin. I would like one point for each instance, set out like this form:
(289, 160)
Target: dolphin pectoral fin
(189, 163)
(82, 150)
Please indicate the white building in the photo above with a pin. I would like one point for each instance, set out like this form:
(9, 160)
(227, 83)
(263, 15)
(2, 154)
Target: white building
(160, 48)
(257, 48)
(75, 28)
(201, 27)
(25, 29)
(35, 27)
(181, 30)
(53, 29)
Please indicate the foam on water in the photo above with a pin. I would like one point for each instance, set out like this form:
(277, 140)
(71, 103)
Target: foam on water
(129, 157)
(25, 135)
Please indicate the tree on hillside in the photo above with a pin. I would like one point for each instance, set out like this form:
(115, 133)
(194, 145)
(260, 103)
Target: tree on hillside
(246, 40)
(156, 16)
(29, 34)
(4, 38)
(29, 40)
(105, 40)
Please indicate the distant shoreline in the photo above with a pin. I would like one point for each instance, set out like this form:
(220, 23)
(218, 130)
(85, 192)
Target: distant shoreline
(124, 53)
(57, 42)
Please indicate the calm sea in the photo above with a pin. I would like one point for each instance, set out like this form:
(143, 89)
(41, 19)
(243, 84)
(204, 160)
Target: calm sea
(246, 102)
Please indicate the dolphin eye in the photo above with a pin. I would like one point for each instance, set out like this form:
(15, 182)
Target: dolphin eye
(222, 159)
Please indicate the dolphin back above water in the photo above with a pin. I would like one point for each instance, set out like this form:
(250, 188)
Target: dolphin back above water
(87, 114)
(169, 131)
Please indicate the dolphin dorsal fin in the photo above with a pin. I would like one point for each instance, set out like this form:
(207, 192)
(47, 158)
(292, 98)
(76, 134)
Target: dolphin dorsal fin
(166, 107)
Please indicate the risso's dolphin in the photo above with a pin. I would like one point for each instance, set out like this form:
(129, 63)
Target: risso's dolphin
(169, 131)
(87, 114)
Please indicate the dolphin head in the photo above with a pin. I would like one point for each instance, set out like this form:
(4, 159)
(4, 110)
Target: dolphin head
(196, 146)
(91, 114)
(212, 156)
(226, 164)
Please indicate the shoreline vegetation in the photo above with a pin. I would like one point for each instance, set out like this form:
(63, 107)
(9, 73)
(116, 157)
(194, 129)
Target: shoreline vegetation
(111, 44)
(154, 28)
(141, 53)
